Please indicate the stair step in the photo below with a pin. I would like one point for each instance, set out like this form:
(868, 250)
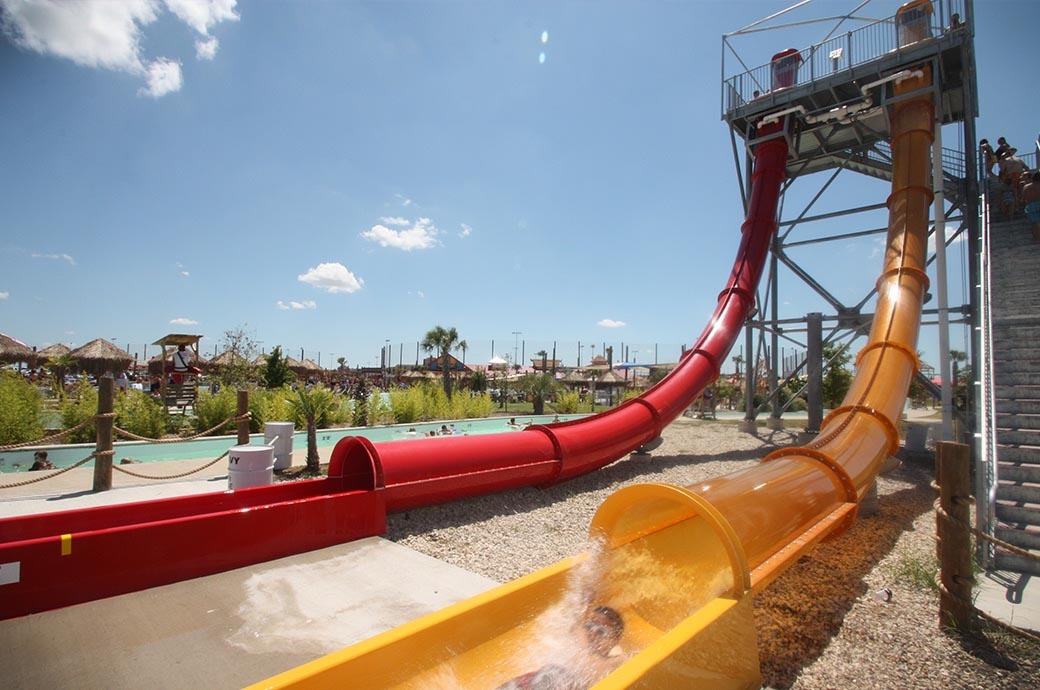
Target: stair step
(1014, 338)
(1017, 421)
(1023, 473)
(1020, 493)
(1019, 378)
(1017, 406)
(1018, 437)
(1013, 563)
(1015, 365)
(1022, 538)
(1018, 515)
(1025, 455)
(1008, 392)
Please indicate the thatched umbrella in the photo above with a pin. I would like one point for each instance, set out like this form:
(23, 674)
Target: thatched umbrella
(12, 351)
(100, 356)
(225, 359)
(308, 367)
(56, 351)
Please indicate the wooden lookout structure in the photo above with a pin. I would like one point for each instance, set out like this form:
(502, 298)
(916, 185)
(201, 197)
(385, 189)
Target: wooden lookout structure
(178, 389)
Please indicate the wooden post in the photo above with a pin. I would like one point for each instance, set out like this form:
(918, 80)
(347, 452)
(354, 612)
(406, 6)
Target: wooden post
(243, 424)
(103, 459)
(955, 572)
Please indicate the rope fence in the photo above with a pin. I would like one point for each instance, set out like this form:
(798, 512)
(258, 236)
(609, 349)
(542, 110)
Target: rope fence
(105, 420)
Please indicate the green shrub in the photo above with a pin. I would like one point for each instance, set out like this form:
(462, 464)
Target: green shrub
(78, 407)
(342, 412)
(470, 406)
(212, 409)
(20, 405)
(141, 414)
(407, 404)
(379, 411)
(269, 406)
(567, 403)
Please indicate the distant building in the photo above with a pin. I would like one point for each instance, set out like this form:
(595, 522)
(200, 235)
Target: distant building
(433, 363)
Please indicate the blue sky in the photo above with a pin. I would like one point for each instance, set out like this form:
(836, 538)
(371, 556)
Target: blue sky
(327, 176)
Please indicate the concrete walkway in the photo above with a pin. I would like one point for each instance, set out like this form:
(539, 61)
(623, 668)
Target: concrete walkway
(235, 628)
(222, 631)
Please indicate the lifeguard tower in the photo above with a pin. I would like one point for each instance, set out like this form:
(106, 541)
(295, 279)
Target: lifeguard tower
(178, 389)
(836, 99)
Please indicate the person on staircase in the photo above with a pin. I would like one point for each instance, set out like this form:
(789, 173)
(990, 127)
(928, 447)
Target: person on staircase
(1031, 199)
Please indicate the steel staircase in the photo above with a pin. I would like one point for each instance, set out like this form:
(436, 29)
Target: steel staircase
(1008, 482)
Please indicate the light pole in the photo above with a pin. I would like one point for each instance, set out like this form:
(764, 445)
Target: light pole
(516, 347)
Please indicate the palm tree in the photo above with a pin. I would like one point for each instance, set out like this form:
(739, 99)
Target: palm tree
(312, 404)
(737, 360)
(539, 387)
(443, 341)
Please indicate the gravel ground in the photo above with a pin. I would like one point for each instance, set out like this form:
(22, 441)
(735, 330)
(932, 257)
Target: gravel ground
(821, 625)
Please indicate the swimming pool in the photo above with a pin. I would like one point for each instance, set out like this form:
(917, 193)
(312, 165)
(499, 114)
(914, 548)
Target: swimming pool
(210, 447)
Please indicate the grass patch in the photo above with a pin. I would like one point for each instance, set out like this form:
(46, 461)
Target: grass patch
(917, 571)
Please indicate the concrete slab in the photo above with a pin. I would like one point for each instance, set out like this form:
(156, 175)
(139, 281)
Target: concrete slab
(235, 628)
(991, 597)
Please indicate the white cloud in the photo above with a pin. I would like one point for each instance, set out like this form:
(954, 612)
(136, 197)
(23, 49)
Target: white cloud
(202, 15)
(331, 277)
(421, 235)
(395, 220)
(107, 34)
(292, 304)
(206, 50)
(405, 201)
(58, 28)
(164, 76)
(610, 323)
(59, 257)
(182, 321)
(4, 295)
(466, 230)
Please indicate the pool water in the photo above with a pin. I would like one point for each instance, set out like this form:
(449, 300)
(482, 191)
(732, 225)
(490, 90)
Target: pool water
(212, 446)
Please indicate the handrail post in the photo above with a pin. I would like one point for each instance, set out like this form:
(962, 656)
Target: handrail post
(954, 545)
(243, 422)
(103, 425)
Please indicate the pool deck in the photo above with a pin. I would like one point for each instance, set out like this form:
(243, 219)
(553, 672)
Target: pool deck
(222, 631)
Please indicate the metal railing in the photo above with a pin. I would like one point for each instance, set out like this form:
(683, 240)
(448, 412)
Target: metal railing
(985, 437)
(834, 55)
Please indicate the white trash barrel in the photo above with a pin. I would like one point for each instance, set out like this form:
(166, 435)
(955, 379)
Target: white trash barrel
(916, 437)
(250, 466)
(282, 444)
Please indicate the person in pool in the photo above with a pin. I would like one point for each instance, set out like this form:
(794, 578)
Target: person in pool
(602, 628)
(40, 462)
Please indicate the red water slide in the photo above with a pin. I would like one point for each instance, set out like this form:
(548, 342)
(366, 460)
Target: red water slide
(63, 558)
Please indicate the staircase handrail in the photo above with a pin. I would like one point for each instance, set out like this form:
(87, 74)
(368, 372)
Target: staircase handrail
(986, 476)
